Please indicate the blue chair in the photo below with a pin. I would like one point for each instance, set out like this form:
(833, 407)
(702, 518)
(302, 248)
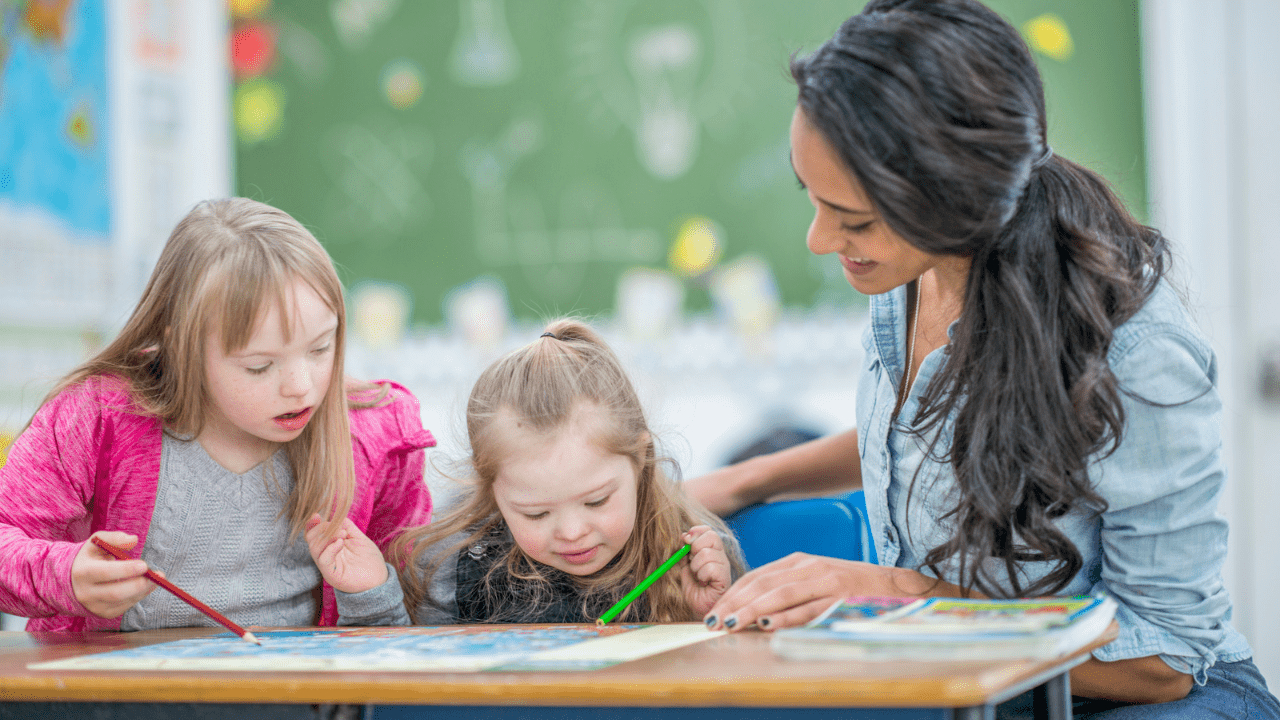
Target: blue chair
(858, 499)
(834, 527)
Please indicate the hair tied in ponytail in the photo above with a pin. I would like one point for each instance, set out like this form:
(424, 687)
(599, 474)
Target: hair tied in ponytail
(1043, 159)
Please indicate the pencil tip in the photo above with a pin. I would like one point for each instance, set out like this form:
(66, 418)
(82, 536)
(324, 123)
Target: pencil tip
(251, 637)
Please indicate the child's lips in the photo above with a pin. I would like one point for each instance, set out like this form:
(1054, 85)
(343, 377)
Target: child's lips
(293, 421)
(580, 557)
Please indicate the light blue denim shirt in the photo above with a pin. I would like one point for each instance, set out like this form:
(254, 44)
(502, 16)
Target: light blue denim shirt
(1159, 547)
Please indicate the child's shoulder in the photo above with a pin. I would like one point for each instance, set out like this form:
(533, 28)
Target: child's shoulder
(96, 395)
(90, 406)
(387, 416)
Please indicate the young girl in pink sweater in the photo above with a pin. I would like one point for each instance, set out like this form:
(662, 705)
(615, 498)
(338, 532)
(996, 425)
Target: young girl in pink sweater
(204, 438)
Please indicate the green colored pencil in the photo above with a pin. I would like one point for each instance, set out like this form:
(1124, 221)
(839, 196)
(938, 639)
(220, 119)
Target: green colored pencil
(627, 599)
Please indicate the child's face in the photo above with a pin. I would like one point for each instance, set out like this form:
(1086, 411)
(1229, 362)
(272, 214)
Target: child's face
(265, 393)
(569, 503)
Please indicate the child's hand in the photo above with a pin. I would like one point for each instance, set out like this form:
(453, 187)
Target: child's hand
(705, 574)
(350, 562)
(107, 587)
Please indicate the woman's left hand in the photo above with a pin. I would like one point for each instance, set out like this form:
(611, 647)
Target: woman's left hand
(796, 589)
(705, 573)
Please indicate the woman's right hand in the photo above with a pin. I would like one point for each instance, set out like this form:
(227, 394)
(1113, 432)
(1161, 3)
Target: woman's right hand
(105, 586)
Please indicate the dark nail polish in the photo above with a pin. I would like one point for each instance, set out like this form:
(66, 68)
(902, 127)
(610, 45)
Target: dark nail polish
(730, 621)
(763, 622)
(711, 620)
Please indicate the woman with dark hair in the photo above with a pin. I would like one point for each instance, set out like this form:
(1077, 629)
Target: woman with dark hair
(1037, 413)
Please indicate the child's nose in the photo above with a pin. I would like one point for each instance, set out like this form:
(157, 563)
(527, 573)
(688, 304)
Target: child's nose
(571, 527)
(296, 381)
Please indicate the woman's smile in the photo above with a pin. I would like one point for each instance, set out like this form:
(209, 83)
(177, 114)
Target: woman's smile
(858, 266)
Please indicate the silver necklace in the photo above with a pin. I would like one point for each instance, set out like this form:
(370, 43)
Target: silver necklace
(907, 380)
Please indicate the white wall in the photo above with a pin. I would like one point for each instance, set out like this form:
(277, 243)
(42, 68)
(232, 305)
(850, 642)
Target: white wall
(1213, 96)
(171, 135)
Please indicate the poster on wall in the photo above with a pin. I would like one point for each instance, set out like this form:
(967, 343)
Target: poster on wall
(55, 202)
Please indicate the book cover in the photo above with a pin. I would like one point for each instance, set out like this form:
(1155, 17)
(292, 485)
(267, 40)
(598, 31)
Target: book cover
(948, 628)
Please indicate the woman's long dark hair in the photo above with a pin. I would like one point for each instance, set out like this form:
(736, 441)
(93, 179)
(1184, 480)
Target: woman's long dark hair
(937, 108)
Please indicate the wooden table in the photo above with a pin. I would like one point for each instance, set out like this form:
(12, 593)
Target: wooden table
(733, 676)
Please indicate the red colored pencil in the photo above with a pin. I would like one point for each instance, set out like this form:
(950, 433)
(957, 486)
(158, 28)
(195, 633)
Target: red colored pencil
(182, 594)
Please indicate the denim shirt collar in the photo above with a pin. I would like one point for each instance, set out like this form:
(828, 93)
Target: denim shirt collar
(889, 330)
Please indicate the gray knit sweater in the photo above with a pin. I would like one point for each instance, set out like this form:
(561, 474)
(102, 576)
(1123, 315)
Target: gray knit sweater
(223, 538)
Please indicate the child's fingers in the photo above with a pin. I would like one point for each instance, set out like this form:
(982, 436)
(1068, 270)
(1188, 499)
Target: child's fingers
(713, 571)
(701, 537)
(715, 576)
(315, 528)
(105, 586)
(111, 570)
(706, 555)
(352, 532)
(315, 537)
(93, 564)
(686, 576)
(125, 592)
(122, 540)
(327, 560)
(111, 599)
(694, 533)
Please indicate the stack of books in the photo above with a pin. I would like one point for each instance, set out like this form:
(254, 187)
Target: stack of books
(866, 628)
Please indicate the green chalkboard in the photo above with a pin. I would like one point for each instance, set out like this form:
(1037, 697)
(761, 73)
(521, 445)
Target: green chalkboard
(555, 143)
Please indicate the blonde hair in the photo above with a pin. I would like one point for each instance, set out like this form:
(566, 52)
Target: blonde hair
(218, 270)
(541, 383)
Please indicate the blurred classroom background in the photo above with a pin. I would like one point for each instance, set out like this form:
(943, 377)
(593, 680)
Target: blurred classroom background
(476, 167)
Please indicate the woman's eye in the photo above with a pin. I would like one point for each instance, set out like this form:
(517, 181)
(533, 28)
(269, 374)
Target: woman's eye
(601, 501)
(258, 370)
(322, 350)
(536, 516)
(858, 228)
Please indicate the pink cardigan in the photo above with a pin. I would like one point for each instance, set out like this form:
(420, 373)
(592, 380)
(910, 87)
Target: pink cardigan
(89, 462)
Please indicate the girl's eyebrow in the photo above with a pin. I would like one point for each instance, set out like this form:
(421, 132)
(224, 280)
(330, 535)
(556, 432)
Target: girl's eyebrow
(333, 328)
(250, 352)
(610, 485)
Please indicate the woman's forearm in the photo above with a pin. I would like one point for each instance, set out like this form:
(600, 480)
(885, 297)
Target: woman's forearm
(824, 466)
(1137, 680)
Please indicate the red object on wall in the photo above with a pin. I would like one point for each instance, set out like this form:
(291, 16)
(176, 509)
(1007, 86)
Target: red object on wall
(253, 49)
